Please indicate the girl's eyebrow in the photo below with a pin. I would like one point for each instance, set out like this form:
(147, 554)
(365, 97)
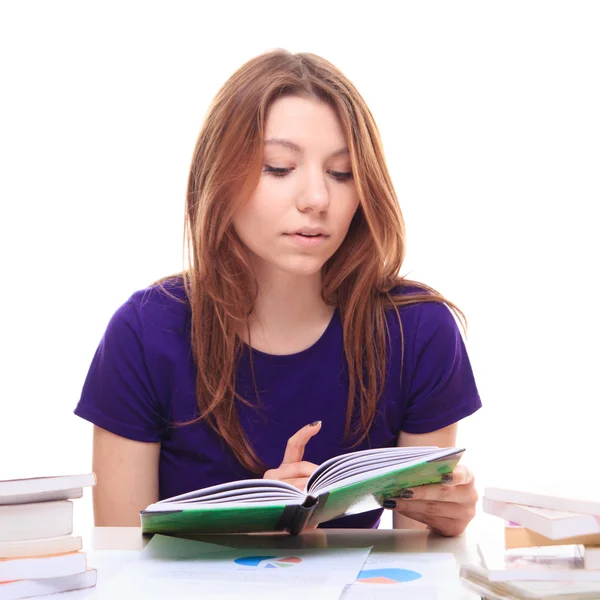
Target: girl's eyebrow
(299, 149)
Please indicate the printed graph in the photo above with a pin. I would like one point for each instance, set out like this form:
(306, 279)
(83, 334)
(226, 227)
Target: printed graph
(268, 562)
(387, 576)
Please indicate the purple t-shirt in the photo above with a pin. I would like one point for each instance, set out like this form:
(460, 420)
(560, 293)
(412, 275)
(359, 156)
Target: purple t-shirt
(142, 378)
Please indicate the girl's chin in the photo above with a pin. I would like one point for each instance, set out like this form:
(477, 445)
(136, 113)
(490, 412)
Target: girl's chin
(299, 267)
(289, 265)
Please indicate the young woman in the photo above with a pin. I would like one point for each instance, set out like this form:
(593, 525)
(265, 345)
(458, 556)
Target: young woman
(290, 338)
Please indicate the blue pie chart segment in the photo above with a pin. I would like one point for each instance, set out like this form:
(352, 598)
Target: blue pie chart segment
(252, 561)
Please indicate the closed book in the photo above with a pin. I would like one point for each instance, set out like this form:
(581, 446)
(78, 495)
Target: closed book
(549, 563)
(474, 577)
(58, 565)
(37, 520)
(40, 547)
(547, 496)
(33, 588)
(516, 536)
(591, 557)
(554, 524)
(44, 489)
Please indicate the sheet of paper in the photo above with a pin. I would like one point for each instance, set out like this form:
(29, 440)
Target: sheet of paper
(164, 546)
(108, 563)
(185, 569)
(423, 576)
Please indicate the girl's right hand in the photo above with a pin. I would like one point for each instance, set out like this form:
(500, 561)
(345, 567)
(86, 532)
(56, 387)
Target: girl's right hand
(293, 469)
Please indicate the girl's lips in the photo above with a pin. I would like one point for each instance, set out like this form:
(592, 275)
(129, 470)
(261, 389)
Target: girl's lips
(307, 241)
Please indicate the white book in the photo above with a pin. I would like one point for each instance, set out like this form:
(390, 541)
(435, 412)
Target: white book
(548, 563)
(591, 557)
(553, 524)
(43, 489)
(37, 520)
(30, 588)
(516, 536)
(475, 578)
(40, 547)
(60, 565)
(576, 501)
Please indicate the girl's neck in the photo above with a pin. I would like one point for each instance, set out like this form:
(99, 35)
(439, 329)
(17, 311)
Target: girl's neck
(289, 314)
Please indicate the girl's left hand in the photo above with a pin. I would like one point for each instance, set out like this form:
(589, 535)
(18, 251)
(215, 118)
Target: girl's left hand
(447, 507)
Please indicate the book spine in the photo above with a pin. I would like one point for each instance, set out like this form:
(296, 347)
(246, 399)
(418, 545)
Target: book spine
(302, 515)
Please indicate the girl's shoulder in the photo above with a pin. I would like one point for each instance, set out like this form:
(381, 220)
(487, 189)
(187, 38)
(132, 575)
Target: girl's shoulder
(419, 309)
(165, 291)
(166, 296)
(159, 308)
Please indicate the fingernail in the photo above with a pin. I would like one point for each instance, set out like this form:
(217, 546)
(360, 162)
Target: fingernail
(389, 504)
(406, 494)
(314, 423)
(447, 478)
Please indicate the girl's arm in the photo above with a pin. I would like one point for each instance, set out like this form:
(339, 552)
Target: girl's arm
(127, 478)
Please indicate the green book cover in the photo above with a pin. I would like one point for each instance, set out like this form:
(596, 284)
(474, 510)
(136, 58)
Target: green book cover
(216, 519)
(347, 484)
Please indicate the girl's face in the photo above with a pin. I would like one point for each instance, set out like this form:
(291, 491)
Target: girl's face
(301, 209)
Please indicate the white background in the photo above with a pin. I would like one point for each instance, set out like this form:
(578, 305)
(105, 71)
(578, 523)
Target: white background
(489, 113)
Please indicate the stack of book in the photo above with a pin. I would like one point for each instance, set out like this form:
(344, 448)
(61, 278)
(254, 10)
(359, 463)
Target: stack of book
(551, 547)
(39, 554)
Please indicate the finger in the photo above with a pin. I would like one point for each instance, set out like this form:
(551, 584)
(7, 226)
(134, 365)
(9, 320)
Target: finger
(432, 508)
(442, 525)
(294, 450)
(463, 494)
(460, 476)
(447, 492)
(432, 491)
(301, 469)
(299, 483)
(447, 527)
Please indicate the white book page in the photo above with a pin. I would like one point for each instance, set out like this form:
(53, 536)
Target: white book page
(382, 455)
(219, 505)
(350, 479)
(259, 492)
(237, 491)
(333, 475)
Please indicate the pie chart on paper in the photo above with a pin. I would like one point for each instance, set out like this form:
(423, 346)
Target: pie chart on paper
(268, 562)
(387, 576)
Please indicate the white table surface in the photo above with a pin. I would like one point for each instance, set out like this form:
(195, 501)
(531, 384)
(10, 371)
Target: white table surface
(110, 548)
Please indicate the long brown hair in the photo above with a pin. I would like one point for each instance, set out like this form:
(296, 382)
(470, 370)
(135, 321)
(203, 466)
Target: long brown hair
(358, 279)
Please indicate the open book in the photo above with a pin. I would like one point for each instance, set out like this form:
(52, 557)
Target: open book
(347, 484)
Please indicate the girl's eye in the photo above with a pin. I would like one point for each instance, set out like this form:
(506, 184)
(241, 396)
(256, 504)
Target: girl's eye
(277, 171)
(282, 172)
(338, 176)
